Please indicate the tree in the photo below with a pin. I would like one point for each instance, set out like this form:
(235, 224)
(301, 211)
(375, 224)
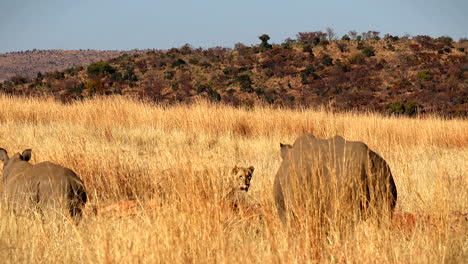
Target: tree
(245, 83)
(99, 69)
(310, 37)
(353, 34)
(370, 35)
(330, 34)
(264, 46)
(264, 38)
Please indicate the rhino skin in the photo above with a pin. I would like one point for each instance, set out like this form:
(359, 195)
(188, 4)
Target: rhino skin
(45, 186)
(331, 178)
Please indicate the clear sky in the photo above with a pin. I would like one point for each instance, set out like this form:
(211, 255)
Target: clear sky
(141, 24)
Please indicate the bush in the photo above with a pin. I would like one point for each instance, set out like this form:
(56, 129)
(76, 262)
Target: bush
(309, 71)
(116, 76)
(245, 83)
(346, 37)
(368, 51)
(360, 46)
(324, 42)
(327, 60)
(216, 96)
(70, 71)
(389, 37)
(307, 48)
(129, 75)
(94, 87)
(356, 58)
(424, 75)
(99, 69)
(445, 40)
(404, 108)
(341, 46)
(345, 66)
(178, 62)
(18, 79)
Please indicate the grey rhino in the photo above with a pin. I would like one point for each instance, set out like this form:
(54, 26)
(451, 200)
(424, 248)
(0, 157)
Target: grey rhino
(332, 178)
(45, 186)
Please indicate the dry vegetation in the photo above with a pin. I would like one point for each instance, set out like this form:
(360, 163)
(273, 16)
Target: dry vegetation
(126, 149)
(391, 75)
(29, 63)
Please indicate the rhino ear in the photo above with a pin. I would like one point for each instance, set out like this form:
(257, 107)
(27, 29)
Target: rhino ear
(26, 155)
(3, 155)
(284, 149)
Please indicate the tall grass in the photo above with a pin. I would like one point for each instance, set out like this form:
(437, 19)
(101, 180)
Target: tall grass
(179, 155)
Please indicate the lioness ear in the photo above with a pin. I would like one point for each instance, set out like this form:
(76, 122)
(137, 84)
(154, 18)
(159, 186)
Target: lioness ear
(284, 149)
(251, 169)
(26, 154)
(235, 169)
(3, 155)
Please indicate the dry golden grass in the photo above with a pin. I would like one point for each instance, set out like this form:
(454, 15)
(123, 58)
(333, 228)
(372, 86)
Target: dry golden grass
(125, 149)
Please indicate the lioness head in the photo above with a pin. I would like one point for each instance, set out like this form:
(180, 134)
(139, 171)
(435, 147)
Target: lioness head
(241, 177)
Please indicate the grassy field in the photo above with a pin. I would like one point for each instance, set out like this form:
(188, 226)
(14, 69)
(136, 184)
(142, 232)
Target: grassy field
(125, 149)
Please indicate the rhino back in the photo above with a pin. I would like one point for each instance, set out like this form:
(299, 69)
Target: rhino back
(44, 181)
(316, 170)
(325, 157)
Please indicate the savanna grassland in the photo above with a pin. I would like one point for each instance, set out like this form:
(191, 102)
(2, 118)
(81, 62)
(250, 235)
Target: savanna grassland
(129, 149)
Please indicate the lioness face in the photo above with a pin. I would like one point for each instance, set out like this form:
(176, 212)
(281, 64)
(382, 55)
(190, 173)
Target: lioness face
(242, 177)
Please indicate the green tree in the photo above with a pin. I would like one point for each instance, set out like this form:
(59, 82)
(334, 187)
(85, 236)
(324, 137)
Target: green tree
(99, 69)
(245, 83)
(264, 46)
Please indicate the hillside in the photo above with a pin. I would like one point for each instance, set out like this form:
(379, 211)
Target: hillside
(399, 75)
(29, 63)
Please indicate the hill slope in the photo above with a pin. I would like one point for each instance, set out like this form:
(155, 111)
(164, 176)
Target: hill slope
(390, 75)
(29, 63)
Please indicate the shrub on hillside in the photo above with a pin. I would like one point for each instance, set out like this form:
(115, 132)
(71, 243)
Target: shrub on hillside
(18, 79)
(389, 37)
(360, 45)
(308, 72)
(178, 62)
(409, 108)
(327, 60)
(345, 37)
(424, 75)
(245, 83)
(129, 75)
(368, 51)
(342, 47)
(99, 69)
(307, 48)
(94, 87)
(356, 58)
(345, 66)
(445, 40)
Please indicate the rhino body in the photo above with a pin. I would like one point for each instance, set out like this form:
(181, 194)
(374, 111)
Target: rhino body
(332, 179)
(45, 186)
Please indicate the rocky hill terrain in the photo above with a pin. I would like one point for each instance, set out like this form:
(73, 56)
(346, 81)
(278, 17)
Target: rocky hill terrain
(29, 63)
(394, 75)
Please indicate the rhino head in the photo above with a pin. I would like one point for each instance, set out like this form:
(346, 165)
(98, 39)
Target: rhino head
(9, 163)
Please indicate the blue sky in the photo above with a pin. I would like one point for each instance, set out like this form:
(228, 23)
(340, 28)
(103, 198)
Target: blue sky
(141, 24)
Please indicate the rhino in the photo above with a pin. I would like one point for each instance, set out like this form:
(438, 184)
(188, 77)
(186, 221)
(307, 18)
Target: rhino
(332, 179)
(46, 186)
